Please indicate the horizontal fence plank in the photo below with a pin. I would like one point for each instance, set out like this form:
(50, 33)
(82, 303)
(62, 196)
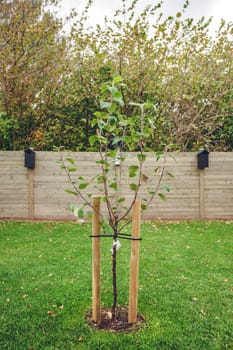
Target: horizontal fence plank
(46, 191)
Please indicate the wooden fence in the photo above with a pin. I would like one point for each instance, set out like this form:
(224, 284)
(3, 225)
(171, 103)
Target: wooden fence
(39, 193)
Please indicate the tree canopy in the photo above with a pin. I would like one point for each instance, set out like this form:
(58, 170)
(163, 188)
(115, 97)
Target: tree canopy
(51, 79)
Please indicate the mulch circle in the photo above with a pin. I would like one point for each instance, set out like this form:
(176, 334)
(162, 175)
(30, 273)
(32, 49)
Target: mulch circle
(119, 323)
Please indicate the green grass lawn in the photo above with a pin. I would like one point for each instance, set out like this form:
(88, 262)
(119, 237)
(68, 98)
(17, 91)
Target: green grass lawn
(185, 289)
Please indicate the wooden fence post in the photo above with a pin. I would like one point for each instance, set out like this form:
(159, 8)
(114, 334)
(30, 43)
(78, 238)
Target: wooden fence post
(134, 262)
(202, 194)
(31, 197)
(96, 314)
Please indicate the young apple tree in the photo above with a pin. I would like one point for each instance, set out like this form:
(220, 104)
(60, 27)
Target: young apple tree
(123, 145)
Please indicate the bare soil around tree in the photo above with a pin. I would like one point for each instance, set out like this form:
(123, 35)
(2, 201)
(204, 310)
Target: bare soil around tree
(117, 324)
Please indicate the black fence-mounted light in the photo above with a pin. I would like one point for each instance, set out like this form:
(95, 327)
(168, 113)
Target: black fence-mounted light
(29, 158)
(203, 159)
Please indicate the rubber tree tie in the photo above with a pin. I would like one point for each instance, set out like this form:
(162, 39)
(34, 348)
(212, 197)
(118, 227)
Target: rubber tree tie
(124, 236)
(96, 236)
(130, 238)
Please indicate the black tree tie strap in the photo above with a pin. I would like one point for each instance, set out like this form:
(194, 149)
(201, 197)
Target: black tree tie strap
(120, 235)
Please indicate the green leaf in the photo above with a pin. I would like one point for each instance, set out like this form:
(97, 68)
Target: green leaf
(159, 155)
(119, 100)
(133, 187)
(80, 213)
(113, 185)
(83, 185)
(162, 196)
(112, 89)
(101, 161)
(117, 80)
(166, 188)
(144, 206)
(71, 207)
(141, 157)
(112, 120)
(99, 115)
(121, 200)
(148, 105)
(133, 170)
(117, 94)
(132, 174)
(102, 139)
(116, 140)
(70, 169)
(172, 146)
(93, 139)
(105, 105)
(152, 192)
(171, 175)
(123, 123)
(101, 124)
(71, 192)
(100, 179)
(70, 160)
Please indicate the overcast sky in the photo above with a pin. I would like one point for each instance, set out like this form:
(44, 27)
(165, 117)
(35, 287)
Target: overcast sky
(197, 8)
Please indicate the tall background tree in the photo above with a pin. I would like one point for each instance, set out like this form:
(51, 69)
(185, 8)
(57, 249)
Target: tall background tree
(31, 66)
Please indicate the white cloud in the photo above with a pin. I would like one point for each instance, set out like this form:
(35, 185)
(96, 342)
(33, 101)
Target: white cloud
(223, 9)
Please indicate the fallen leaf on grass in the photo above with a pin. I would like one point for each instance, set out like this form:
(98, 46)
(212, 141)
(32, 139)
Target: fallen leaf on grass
(203, 313)
(51, 313)
(194, 299)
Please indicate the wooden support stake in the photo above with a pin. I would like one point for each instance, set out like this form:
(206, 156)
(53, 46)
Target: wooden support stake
(134, 263)
(96, 315)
